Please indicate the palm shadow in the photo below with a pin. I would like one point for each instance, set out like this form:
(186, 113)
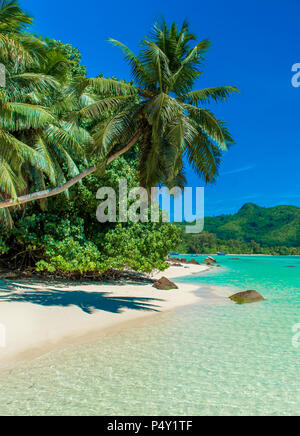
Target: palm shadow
(88, 302)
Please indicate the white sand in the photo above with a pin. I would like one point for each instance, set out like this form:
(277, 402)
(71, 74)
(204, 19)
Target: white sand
(56, 315)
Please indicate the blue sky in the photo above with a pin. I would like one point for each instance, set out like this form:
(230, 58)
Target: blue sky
(253, 47)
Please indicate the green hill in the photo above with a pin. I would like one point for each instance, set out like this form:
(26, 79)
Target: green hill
(252, 230)
(273, 226)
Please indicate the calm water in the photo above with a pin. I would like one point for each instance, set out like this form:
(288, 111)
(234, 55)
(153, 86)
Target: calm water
(222, 359)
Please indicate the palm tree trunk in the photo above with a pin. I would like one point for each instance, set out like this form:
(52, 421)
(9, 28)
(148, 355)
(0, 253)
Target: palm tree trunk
(59, 189)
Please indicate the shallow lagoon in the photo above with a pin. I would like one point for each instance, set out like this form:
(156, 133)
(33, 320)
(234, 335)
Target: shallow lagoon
(205, 359)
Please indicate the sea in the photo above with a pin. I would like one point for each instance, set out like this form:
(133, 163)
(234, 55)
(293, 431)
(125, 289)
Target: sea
(212, 358)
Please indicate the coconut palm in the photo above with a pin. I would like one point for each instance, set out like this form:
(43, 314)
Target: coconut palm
(38, 141)
(159, 111)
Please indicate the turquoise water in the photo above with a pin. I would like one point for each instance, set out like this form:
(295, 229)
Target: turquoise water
(222, 359)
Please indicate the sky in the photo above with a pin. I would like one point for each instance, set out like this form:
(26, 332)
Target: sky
(253, 47)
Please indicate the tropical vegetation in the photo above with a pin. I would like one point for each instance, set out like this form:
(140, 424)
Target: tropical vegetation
(252, 230)
(63, 135)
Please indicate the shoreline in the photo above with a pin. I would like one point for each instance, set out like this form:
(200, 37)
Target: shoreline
(234, 254)
(42, 317)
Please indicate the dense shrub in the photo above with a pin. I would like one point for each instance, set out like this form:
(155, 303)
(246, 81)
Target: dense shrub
(66, 238)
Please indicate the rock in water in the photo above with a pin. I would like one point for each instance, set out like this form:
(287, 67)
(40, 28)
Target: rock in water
(165, 284)
(247, 297)
(193, 262)
(177, 259)
(210, 259)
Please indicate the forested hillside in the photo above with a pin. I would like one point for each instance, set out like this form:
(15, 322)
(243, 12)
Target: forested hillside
(279, 225)
(253, 229)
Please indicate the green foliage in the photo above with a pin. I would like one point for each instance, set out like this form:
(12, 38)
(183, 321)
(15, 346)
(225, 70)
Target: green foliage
(3, 247)
(162, 108)
(68, 239)
(253, 230)
(272, 226)
(72, 54)
(143, 248)
(55, 123)
(41, 142)
(56, 244)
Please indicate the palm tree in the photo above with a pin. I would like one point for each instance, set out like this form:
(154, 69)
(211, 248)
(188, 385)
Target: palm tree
(159, 111)
(13, 21)
(38, 142)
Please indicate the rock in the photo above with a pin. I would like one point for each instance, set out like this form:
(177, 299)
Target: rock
(208, 262)
(177, 259)
(193, 262)
(165, 284)
(247, 297)
(210, 259)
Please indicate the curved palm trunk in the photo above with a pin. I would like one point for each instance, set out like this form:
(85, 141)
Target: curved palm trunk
(59, 189)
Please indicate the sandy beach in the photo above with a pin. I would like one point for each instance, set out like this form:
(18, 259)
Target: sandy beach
(39, 317)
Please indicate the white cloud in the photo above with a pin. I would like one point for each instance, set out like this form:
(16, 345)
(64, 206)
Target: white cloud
(239, 170)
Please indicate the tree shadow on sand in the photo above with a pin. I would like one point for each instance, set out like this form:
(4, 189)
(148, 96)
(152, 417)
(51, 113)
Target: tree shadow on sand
(88, 302)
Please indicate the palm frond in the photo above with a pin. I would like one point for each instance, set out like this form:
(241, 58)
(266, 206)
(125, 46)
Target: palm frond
(109, 104)
(139, 73)
(205, 95)
(214, 128)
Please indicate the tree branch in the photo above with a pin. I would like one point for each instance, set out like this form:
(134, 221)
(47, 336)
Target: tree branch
(62, 188)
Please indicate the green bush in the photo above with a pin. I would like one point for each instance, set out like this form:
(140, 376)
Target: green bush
(67, 238)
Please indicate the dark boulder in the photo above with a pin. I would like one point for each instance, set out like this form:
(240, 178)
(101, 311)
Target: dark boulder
(210, 259)
(250, 296)
(208, 262)
(165, 284)
(177, 259)
(193, 262)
